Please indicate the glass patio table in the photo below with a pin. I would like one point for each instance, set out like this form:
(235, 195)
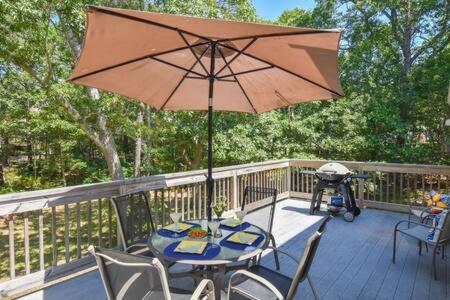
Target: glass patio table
(215, 258)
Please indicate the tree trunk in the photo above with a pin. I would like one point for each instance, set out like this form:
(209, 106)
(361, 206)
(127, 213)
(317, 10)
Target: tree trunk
(138, 146)
(2, 175)
(149, 141)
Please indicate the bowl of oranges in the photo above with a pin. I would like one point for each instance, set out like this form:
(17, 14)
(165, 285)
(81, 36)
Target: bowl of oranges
(197, 233)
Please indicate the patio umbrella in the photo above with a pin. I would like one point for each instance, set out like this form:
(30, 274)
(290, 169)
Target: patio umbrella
(184, 63)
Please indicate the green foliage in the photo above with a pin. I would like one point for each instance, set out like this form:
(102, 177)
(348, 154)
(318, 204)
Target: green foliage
(51, 132)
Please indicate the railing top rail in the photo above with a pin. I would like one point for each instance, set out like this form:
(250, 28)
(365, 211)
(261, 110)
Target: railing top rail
(29, 201)
(377, 166)
(33, 200)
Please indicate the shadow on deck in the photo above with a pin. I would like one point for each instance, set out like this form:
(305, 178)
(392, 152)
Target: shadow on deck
(353, 260)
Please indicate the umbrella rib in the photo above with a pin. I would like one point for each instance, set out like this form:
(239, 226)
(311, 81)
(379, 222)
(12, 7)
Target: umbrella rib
(237, 81)
(178, 67)
(285, 70)
(133, 61)
(236, 56)
(133, 18)
(246, 72)
(192, 51)
(182, 79)
(276, 35)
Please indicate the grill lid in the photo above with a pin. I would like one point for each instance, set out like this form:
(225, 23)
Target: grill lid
(334, 169)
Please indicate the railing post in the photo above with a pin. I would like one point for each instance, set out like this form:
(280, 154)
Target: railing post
(361, 193)
(289, 180)
(235, 191)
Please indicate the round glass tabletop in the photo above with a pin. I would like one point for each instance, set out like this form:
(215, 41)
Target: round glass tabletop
(228, 252)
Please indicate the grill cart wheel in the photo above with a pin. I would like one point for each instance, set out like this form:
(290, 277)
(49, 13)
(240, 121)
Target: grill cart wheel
(348, 216)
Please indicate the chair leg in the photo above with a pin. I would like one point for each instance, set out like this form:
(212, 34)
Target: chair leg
(434, 262)
(420, 247)
(313, 289)
(443, 251)
(394, 247)
(275, 253)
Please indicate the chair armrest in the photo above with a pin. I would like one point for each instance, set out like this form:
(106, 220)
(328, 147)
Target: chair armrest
(416, 223)
(136, 245)
(205, 286)
(285, 253)
(255, 277)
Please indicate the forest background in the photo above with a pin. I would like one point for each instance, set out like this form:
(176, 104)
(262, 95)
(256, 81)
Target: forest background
(394, 66)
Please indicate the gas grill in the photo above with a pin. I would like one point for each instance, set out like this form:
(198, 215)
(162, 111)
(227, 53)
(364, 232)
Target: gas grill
(336, 177)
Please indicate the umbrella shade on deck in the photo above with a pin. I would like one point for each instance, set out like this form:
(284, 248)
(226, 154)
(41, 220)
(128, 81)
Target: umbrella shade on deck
(185, 63)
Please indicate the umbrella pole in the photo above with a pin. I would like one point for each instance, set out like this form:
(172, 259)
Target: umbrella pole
(209, 179)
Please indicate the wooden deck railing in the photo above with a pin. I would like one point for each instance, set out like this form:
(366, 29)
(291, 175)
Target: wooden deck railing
(46, 233)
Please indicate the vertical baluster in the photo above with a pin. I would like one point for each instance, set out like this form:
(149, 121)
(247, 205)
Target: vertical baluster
(163, 207)
(408, 189)
(423, 188)
(41, 240)
(78, 230)
(54, 247)
(307, 184)
(100, 221)
(394, 189)
(224, 180)
(401, 188)
(205, 210)
(302, 188)
(188, 192)
(26, 238)
(447, 180)
(381, 186)
(110, 224)
(182, 203)
(66, 232)
(140, 217)
(439, 183)
(415, 190)
(195, 199)
(12, 261)
(387, 187)
(89, 219)
(169, 200)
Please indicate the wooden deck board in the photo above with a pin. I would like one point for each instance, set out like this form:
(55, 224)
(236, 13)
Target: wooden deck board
(353, 260)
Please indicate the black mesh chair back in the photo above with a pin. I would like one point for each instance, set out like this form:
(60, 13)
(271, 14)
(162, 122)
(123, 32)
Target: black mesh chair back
(254, 194)
(127, 276)
(307, 258)
(134, 218)
(444, 233)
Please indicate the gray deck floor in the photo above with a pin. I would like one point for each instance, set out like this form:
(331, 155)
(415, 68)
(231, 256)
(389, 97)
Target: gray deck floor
(353, 260)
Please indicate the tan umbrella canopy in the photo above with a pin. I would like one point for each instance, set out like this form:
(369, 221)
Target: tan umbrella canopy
(185, 63)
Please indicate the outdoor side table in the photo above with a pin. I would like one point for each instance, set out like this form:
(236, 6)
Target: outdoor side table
(212, 265)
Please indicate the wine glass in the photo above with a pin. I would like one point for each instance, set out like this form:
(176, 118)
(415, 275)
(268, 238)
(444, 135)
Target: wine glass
(176, 219)
(214, 226)
(240, 214)
(219, 208)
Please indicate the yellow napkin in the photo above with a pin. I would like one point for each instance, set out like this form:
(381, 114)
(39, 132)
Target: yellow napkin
(177, 229)
(191, 247)
(231, 222)
(243, 238)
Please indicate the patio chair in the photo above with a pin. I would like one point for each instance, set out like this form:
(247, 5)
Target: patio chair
(420, 232)
(418, 212)
(253, 194)
(135, 222)
(263, 283)
(127, 276)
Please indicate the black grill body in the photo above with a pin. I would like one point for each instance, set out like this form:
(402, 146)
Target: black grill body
(340, 181)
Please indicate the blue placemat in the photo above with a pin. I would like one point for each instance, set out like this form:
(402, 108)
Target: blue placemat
(168, 233)
(236, 246)
(208, 253)
(243, 226)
